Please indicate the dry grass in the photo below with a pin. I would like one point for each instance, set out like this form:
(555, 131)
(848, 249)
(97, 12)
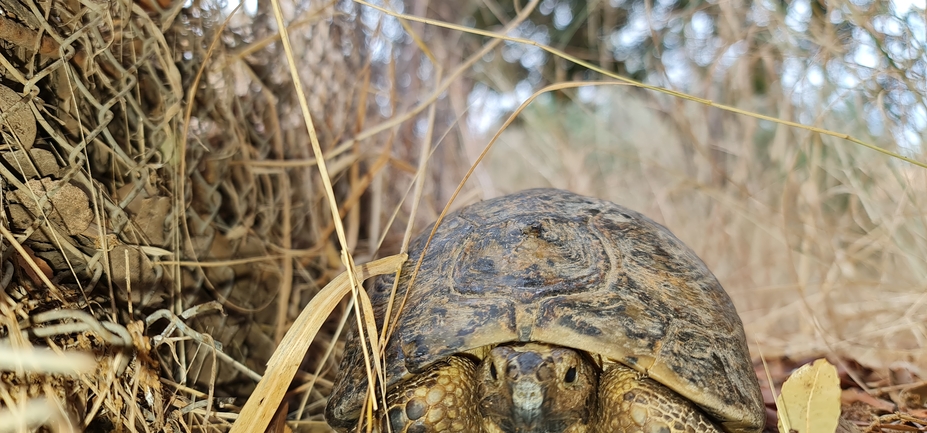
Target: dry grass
(203, 186)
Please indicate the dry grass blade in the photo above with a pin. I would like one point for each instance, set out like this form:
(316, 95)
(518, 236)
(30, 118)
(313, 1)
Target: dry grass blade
(260, 408)
(34, 360)
(28, 258)
(346, 258)
(34, 414)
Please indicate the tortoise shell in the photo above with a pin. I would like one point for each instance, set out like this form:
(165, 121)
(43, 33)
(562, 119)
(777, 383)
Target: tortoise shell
(554, 267)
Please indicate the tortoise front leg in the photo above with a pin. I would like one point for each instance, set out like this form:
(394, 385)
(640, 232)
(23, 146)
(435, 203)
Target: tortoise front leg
(440, 399)
(631, 403)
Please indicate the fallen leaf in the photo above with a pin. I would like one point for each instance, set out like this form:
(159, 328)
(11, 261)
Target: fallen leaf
(810, 399)
(853, 395)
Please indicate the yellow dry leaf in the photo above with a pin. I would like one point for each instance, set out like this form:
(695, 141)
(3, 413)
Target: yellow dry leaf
(810, 399)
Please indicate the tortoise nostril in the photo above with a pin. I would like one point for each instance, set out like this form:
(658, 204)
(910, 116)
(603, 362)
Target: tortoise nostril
(570, 375)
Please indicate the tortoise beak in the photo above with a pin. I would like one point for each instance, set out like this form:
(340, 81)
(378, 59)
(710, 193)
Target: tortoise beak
(529, 376)
(527, 399)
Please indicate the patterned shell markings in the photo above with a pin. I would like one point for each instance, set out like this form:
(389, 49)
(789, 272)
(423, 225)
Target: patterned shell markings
(551, 266)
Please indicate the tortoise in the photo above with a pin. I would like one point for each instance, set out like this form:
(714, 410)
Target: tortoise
(547, 311)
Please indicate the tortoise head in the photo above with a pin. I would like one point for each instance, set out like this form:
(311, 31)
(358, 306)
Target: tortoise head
(537, 388)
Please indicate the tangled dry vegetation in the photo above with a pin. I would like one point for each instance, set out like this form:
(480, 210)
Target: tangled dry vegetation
(158, 195)
(165, 220)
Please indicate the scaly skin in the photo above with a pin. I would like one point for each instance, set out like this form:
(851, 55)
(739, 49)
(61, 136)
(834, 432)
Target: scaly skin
(441, 399)
(529, 388)
(630, 403)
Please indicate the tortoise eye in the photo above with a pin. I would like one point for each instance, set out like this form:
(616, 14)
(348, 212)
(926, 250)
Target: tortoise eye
(570, 375)
(492, 371)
